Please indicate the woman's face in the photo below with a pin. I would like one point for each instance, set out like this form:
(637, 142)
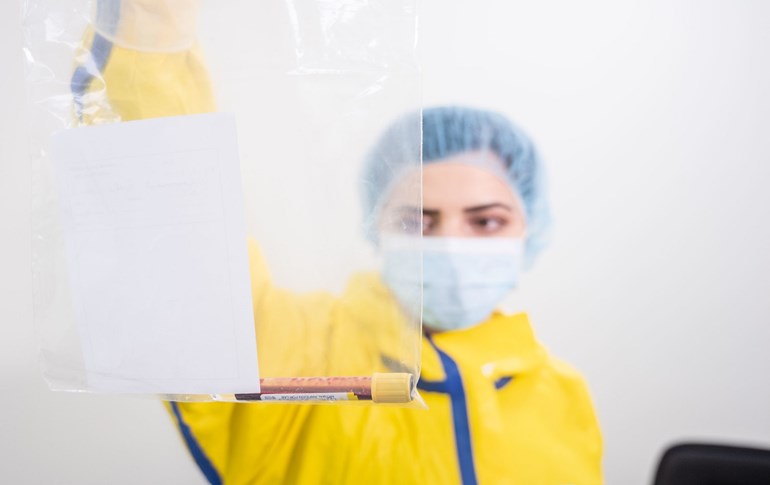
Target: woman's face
(463, 196)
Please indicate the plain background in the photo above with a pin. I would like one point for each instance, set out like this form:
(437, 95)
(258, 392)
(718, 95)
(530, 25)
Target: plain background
(653, 117)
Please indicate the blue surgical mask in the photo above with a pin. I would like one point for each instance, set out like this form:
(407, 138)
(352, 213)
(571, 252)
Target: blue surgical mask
(463, 279)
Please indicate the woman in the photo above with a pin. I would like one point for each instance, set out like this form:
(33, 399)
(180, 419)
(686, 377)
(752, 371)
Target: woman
(500, 409)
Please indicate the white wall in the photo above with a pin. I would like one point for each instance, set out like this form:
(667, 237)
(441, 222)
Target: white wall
(652, 117)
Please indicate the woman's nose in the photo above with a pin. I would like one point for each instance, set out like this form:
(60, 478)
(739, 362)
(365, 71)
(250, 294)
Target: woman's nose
(450, 227)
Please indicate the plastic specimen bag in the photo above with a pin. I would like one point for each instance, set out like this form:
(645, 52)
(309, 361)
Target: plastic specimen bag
(208, 211)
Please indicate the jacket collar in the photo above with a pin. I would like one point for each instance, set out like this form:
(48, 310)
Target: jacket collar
(503, 346)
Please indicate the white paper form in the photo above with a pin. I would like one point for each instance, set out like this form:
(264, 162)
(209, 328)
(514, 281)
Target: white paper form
(154, 228)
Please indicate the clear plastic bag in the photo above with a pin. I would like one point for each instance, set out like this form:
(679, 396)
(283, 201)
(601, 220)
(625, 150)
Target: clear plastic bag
(141, 195)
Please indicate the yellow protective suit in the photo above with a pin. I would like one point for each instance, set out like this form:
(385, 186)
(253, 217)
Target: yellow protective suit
(500, 409)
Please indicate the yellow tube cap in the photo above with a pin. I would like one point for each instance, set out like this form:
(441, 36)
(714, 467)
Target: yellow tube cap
(392, 387)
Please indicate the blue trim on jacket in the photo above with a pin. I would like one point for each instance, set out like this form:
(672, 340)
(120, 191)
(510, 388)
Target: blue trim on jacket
(84, 74)
(453, 386)
(211, 473)
(502, 382)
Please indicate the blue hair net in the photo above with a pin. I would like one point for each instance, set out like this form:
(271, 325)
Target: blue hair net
(448, 131)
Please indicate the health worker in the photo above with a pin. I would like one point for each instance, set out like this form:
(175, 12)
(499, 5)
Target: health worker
(500, 408)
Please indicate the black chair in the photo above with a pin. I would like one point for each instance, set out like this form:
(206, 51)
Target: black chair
(704, 464)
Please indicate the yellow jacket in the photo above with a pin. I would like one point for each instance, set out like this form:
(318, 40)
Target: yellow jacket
(500, 409)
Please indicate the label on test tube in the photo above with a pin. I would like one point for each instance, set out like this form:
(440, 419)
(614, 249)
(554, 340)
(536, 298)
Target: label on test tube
(316, 396)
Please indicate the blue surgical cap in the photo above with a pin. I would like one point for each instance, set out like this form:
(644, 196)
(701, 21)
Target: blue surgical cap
(449, 131)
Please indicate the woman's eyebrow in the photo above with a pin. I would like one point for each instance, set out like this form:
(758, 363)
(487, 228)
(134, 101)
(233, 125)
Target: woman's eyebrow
(417, 210)
(484, 207)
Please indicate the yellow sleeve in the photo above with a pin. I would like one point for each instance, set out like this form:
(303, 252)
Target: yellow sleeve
(579, 430)
(164, 84)
(115, 83)
(294, 331)
(133, 85)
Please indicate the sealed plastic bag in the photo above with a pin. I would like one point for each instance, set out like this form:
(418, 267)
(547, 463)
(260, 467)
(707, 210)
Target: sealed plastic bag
(208, 208)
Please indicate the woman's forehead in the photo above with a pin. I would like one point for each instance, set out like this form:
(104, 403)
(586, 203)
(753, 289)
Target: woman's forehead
(458, 184)
(463, 180)
(484, 159)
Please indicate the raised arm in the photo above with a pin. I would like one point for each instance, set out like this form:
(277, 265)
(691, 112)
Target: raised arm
(141, 60)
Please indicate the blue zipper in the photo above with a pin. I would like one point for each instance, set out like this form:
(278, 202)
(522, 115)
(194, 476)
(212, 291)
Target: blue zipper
(453, 386)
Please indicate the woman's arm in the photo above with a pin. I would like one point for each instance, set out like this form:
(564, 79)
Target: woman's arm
(115, 81)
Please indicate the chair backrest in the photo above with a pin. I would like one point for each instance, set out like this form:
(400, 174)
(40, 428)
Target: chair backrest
(709, 464)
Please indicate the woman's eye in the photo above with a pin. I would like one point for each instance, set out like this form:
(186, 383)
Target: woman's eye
(489, 224)
(412, 224)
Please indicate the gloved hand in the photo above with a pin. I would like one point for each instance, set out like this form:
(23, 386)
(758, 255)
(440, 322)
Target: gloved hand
(148, 25)
(143, 62)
